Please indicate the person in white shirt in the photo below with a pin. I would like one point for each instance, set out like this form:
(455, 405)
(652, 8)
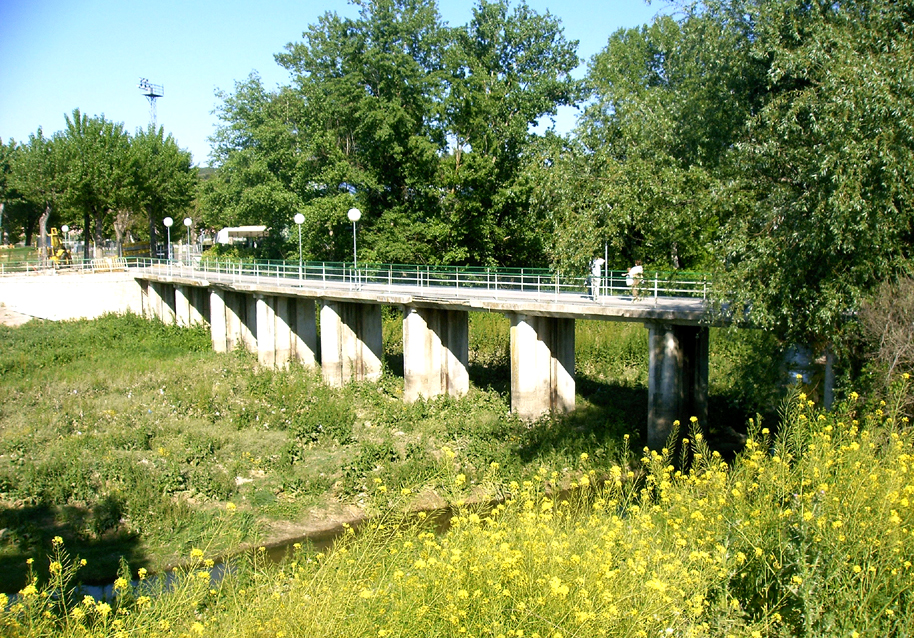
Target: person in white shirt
(595, 280)
(633, 278)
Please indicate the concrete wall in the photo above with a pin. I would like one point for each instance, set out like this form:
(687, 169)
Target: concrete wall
(61, 295)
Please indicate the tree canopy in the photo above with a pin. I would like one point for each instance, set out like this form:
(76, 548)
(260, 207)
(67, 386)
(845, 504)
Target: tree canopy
(770, 142)
(421, 125)
(97, 178)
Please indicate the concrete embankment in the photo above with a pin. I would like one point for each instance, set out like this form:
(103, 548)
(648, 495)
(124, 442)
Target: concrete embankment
(61, 295)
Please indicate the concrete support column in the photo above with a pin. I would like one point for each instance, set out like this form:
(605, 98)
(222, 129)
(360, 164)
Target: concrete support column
(247, 311)
(304, 331)
(435, 352)
(154, 292)
(217, 320)
(182, 305)
(542, 365)
(198, 308)
(234, 313)
(266, 331)
(677, 379)
(282, 331)
(351, 342)
(143, 296)
(162, 298)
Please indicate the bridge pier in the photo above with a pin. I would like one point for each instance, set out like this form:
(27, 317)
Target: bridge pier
(304, 331)
(351, 342)
(218, 325)
(677, 379)
(234, 314)
(161, 299)
(247, 312)
(435, 352)
(542, 365)
(190, 306)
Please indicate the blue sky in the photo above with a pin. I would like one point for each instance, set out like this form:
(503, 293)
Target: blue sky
(90, 54)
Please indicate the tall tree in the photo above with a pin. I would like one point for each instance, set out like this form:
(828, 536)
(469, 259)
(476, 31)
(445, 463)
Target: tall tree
(669, 100)
(162, 178)
(369, 89)
(510, 70)
(96, 153)
(37, 174)
(820, 211)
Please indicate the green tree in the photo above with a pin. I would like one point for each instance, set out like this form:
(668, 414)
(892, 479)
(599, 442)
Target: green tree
(368, 90)
(96, 182)
(820, 210)
(669, 100)
(510, 69)
(37, 170)
(163, 179)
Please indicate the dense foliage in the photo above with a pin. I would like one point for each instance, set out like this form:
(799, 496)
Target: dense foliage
(423, 126)
(770, 142)
(98, 179)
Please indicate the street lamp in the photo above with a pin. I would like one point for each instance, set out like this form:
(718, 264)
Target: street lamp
(168, 221)
(299, 219)
(187, 222)
(354, 215)
(66, 231)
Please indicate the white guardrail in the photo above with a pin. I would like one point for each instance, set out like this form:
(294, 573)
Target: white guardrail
(436, 281)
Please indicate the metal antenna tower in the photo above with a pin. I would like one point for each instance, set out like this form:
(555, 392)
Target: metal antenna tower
(151, 91)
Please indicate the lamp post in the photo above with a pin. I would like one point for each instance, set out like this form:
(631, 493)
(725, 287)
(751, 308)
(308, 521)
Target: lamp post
(168, 221)
(299, 219)
(354, 215)
(66, 231)
(187, 222)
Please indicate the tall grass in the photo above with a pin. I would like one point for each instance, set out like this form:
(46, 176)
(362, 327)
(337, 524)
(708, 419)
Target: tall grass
(128, 438)
(808, 532)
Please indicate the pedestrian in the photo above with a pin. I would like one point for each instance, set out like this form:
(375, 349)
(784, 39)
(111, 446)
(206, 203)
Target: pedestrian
(633, 278)
(595, 279)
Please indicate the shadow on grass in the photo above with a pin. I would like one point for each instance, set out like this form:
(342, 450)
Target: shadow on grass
(27, 532)
(598, 425)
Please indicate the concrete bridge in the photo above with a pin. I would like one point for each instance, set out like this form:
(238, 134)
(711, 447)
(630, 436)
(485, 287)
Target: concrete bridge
(271, 309)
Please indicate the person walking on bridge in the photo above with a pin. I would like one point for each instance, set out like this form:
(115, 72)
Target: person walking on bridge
(595, 279)
(633, 278)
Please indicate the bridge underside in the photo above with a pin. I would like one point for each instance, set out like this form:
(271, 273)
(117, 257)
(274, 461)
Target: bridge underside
(280, 328)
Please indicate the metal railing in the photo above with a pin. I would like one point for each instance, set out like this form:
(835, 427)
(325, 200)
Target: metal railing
(416, 280)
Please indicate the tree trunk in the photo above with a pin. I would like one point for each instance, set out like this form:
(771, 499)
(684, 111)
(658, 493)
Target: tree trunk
(43, 252)
(86, 226)
(152, 235)
(99, 238)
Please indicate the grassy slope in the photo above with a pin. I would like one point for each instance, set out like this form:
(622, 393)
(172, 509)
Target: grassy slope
(809, 532)
(126, 438)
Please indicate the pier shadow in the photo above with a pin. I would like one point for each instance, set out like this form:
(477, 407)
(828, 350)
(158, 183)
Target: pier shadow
(28, 532)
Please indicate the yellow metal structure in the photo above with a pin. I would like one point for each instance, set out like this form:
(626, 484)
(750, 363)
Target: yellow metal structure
(58, 253)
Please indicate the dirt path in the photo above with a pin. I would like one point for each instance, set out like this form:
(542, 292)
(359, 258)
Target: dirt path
(9, 317)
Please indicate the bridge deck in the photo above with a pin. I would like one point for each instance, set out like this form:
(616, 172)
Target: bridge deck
(553, 303)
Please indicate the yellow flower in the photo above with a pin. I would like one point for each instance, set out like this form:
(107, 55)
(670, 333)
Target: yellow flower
(57, 540)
